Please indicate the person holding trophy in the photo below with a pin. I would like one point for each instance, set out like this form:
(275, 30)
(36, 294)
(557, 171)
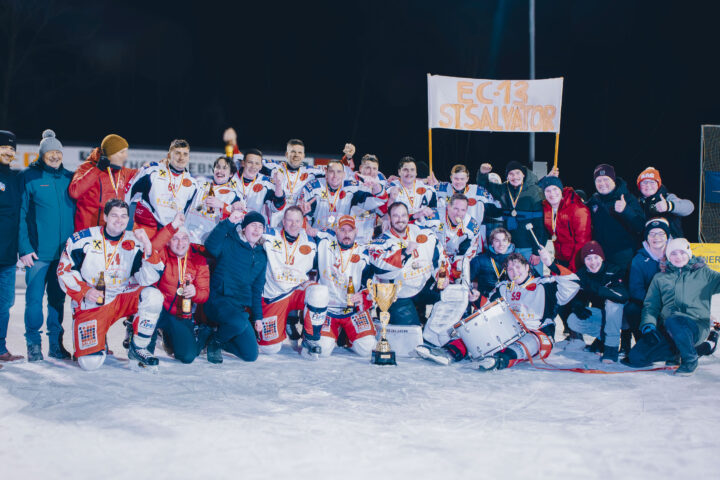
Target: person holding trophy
(344, 268)
(412, 254)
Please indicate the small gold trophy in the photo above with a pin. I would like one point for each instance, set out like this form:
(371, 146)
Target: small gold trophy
(384, 295)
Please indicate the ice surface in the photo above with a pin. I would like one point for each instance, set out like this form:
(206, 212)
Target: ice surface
(341, 418)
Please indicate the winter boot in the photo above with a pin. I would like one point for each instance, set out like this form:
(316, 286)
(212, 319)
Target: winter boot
(35, 353)
(436, 354)
(9, 357)
(167, 345)
(610, 354)
(686, 368)
(625, 341)
(214, 350)
(57, 350)
(141, 358)
(595, 347)
(674, 361)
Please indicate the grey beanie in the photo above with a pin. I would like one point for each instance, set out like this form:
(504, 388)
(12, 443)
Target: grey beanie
(49, 143)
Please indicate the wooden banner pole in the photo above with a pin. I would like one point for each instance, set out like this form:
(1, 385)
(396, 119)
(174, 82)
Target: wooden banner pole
(557, 146)
(430, 148)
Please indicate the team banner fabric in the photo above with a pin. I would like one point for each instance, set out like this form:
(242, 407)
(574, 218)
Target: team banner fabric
(494, 105)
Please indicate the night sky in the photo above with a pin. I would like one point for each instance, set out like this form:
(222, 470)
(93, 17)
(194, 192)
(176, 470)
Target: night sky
(640, 77)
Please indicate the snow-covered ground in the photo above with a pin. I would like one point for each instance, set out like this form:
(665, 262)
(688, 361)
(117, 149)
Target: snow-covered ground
(283, 417)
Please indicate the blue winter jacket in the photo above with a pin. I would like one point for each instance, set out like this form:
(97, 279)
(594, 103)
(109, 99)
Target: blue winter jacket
(642, 270)
(46, 211)
(483, 272)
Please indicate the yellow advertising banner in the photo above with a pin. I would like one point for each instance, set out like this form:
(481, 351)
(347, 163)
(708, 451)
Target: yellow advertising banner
(710, 252)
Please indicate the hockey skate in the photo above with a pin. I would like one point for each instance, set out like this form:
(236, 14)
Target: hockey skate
(310, 349)
(140, 359)
(498, 361)
(436, 354)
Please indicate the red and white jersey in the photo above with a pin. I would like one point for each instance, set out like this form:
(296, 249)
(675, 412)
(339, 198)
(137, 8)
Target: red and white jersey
(227, 193)
(288, 263)
(335, 268)
(162, 192)
(295, 181)
(536, 300)
(329, 205)
(254, 193)
(416, 197)
(392, 261)
(477, 198)
(88, 252)
(462, 240)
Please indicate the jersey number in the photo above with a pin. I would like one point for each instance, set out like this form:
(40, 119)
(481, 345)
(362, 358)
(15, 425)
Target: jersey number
(515, 296)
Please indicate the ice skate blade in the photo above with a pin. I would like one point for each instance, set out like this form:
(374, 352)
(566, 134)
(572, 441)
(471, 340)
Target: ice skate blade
(486, 365)
(136, 366)
(425, 353)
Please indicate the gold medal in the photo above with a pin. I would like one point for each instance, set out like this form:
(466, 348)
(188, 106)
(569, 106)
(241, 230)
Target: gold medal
(554, 237)
(180, 291)
(331, 220)
(513, 213)
(416, 265)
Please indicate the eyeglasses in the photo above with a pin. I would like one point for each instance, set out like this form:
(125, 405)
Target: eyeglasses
(657, 234)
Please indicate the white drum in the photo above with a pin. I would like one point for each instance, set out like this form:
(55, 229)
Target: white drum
(489, 330)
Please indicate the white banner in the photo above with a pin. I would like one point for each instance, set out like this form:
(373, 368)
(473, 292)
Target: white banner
(494, 105)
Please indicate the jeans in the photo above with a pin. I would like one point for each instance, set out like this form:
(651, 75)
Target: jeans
(680, 336)
(7, 300)
(179, 335)
(39, 277)
(608, 330)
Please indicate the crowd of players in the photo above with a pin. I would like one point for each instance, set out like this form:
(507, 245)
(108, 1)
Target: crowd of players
(267, 253)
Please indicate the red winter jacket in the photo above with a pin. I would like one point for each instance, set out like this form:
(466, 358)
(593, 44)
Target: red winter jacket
(92, 188)
(196, 268)
(573, 226)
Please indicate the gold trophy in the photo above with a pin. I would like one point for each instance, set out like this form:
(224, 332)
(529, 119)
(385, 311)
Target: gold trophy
(384, 295)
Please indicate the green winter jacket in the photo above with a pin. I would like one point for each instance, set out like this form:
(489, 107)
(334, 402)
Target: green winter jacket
(46, 211)
(682, 291)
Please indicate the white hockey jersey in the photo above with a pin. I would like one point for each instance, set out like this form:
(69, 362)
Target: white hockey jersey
(227, 193)
(477, 198)
(536, 300)
(328, 206)
(88, 252)
(463, 240)
(288, 263)
(257, 194)
(337, 266)
(392, 261)
(417, 197)
(162, 192)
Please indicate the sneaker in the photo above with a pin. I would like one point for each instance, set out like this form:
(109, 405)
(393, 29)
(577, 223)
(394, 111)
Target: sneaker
(143, 357)
(9, 357)
(35, 353)
(436, 354)
(167, 346)
(686, 368)
(673, 362)
(214, 350)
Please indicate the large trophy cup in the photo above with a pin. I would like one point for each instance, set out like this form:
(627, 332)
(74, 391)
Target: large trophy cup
(384, 295)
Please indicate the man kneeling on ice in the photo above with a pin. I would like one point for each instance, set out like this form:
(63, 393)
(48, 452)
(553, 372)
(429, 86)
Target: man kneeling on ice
(97, 270)
(533, 301)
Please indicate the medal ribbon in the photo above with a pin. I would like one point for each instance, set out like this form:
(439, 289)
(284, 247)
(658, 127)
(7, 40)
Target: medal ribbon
(411, 198)
(182, 268)
(515, 201)
(291, 185)
(108, 262)
(289, 260)
(115, 186)
(498, 275)
(336, 196)
(343, 265)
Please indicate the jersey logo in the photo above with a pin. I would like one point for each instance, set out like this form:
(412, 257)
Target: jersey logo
(81, 234)
(276, 244)
(87, 334)
(333, 244)
(96, 244)
(162, 173)
(269, 328)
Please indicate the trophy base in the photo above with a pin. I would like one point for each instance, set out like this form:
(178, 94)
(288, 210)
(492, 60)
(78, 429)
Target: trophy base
(383, 358)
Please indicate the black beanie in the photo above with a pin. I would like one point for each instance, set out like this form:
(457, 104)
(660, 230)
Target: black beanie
(549, 180)
(7, 138)
(252, 217)
(604, 170)
(514, 165)
(660, 223)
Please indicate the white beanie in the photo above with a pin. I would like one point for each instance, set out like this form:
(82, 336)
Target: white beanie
(678, 244)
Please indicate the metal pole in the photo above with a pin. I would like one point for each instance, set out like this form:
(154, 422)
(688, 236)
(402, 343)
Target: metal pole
(532, 71)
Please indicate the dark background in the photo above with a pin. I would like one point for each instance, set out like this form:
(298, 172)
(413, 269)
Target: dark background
(640, 77)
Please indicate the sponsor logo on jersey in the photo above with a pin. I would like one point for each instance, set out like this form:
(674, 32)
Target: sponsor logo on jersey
(87, 334)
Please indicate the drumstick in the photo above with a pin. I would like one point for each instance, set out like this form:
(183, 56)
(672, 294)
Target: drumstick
(529, 226)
